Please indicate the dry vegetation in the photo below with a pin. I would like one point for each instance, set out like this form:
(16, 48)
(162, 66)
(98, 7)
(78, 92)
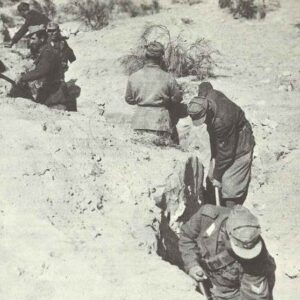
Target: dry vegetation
(181, 58)
(47, 7)
(245, 8)
(96, 14)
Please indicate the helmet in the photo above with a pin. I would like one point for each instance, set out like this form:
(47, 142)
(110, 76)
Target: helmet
(52, 26)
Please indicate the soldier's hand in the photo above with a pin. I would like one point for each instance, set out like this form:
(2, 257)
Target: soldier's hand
(197, 273)
(216, 183)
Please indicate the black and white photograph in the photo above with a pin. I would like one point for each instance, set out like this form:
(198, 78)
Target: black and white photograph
(149, 149)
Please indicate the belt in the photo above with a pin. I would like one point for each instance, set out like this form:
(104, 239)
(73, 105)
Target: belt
(217, 262)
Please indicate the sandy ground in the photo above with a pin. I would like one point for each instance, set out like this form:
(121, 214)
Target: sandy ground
(76, 215)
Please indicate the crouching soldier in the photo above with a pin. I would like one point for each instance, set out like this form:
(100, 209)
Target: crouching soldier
(231, 142)
(156, 93)
(47, 70)
(225, 246)
(32, 18)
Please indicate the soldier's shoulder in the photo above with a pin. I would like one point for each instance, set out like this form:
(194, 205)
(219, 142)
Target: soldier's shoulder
(213, 211)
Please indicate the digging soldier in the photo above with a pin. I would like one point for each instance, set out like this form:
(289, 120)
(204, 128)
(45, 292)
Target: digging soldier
(157, 96)
(47, 69)
(32, 18)
(231, 141)
(224, 245)
(59, 43)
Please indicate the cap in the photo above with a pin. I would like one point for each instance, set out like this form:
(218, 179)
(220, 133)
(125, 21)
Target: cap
(52, 26)
(197, 110)
(155, 49)
(244, 233)
(204, 88)
(34, 29)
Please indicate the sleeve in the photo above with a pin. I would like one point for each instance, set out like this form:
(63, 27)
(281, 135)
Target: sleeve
(70, 53)
(255, 287)
(42, 68)
(225, 143)
(175, 91)
(129, 97)
(188, 247)
(21, 32)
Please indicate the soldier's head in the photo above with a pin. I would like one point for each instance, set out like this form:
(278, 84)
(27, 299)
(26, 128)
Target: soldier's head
(37, 37)
(23, 9)
(155, 52)
(244, 233)
(198, 106)
(197, 110)
(53, 31)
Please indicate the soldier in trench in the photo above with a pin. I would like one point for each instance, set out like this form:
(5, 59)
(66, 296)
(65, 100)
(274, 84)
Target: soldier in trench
(158, 98)
(225, 246)
(231, 141)
(47, 69)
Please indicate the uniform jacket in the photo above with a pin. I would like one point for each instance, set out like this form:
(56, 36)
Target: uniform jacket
(65, 52)
(48, 70)
(230, 133)
(204, 242)
(154, 91)
(33, 18)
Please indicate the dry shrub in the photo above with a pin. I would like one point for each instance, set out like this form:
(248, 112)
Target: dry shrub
(245, 8)
(94, 13)
(47, 7)
(181, 58)
(190, 2)
(137, 7)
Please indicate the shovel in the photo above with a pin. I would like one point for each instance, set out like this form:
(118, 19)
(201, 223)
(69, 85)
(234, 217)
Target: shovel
(203, 291)
(217, 194)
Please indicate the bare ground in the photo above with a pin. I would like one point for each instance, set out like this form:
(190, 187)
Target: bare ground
(75, 209)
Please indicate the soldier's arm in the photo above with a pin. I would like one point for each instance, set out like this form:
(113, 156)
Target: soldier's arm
(129, 97)
(225, 146)
(41, 70)
(20, 33)
(175, 91)
(70, 53)
(188, 247)
(255, 287)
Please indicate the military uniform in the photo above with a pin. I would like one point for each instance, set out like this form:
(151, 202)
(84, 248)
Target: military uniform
(154, 91)
(48, 70)
(204, 241)
(231, 142)
(33, 18)
(65, 52)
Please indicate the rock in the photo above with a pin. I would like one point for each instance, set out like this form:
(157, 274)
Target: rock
(187, 20)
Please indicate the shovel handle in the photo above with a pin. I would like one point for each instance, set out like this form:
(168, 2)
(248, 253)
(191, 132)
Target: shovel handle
(217, 196)
(7, 79)
(203, 291)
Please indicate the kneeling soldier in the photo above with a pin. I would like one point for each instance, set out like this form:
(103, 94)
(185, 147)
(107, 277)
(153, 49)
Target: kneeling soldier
(225, 246)
(47, 69)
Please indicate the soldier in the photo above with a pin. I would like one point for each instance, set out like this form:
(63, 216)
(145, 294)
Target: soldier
(225, 246)
(231, 141)
(59, 43)
(32, 18)
(156, 93)
(47, 69)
